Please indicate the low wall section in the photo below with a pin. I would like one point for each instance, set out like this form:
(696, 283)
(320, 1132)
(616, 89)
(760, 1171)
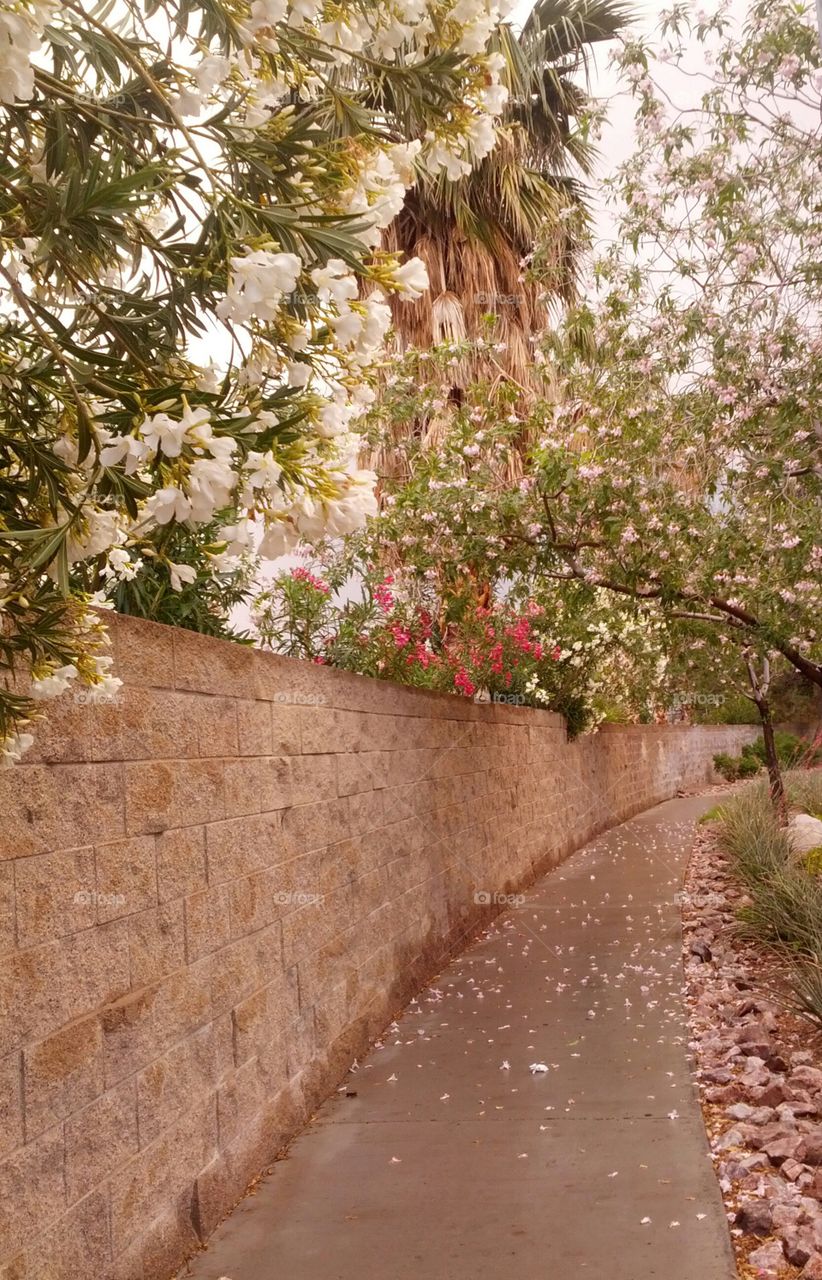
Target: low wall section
(215, 891)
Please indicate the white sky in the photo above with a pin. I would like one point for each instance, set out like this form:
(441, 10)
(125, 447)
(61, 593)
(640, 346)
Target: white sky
(618, 136)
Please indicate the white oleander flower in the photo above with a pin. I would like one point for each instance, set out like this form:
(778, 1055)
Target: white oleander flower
(211, 482)
(55, 683)
(13, 748)
(257, 284)
(180, 573)
(302, 11)
(126, 449)
(412, 279)
(335, 282)
(161, 432)
(166, 505)
(100, 531)
(21, 32)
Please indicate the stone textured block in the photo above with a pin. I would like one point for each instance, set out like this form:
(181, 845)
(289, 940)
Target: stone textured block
(7, 908)
(55, 895)
(181, 863)
(143, 652)
(254, 728)
(126, 877)
(146, 1023)
(142, 1189)
(50, 807)
(207, 921)
(63, 1074)
(32, 1191)
(157, 943)
(100, 1138)
(11, 1103)
(171, 1083)
(77, 1245)
(240, 846)
(168, 793)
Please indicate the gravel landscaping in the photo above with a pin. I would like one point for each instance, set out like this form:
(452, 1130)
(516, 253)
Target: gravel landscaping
(759, 1071)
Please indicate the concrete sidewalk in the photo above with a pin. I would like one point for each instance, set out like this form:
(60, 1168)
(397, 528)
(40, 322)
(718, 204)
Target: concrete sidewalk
(453, 1161)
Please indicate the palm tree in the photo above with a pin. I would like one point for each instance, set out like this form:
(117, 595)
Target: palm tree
(527, 197)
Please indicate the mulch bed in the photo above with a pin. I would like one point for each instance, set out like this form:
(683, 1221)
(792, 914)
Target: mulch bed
(758, 1066)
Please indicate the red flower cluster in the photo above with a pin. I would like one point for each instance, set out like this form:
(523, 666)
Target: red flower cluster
(311, 580)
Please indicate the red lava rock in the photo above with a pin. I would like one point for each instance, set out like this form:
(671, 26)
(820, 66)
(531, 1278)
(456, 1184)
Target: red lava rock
(807, 1077)
(757, 1049)
(813, 1270)
(791, 1169)
(768, 1260)
(726, 1093)
(718, 1075)
(814, 1188)
(810, 1151)
(782, 1148)
(798, 1246)
(755, 1219)
(771, 1096)
(750, 1033)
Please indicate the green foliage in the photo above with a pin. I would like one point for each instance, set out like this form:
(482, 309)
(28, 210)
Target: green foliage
(813, 861)
(785, 910)
(732, 768)
(792, 752)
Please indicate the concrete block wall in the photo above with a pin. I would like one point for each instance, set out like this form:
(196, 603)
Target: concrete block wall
(218, 889)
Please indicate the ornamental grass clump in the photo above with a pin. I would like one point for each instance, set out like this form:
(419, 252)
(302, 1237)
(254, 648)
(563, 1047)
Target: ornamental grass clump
(785, 894)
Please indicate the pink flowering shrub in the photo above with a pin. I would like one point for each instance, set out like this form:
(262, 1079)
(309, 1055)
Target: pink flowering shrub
(502, 651)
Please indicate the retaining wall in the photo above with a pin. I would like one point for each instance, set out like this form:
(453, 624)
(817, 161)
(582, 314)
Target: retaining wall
(215, 891)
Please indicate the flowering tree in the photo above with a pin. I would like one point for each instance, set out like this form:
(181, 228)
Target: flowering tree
(672, 465)
(684, 465)
(435, 593)
(192, 196)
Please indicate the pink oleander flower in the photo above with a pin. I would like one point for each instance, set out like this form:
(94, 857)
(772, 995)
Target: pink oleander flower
(311, 580)
(463, 682)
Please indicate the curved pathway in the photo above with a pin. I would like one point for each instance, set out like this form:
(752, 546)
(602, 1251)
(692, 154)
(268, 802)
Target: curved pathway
(445, 1157)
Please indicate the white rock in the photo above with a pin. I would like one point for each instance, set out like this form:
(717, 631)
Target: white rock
(804, 833)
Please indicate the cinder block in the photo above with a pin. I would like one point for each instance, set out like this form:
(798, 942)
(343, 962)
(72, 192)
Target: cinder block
(11, 1102)
(126, 877)
(63, 1074)
(100, 1138)
(55, 895)
(167, 1086)
(172, 793)
(240, 846)
(143, 1189)
(181, 864)
(156, 940)
(254, 728)
(32, 1192)
(50, 807)
(207, 921)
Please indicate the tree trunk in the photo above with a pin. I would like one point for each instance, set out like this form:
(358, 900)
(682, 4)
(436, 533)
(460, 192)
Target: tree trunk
(777, 786)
